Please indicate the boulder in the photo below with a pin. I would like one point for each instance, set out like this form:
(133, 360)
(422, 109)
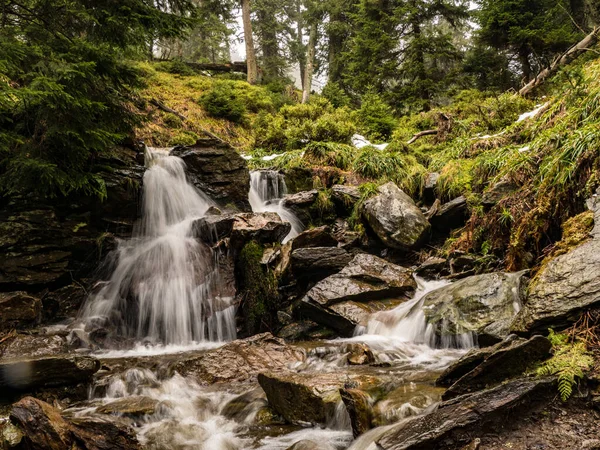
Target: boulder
(395, 218)
(408, 400)
(218, 170)
(20, 345)
(479, 305)
(358, 354)
(240, 360)
(19, 309)
(430, 186)
(297, 331)
(566, 286)
(43, 428)
(301, 203)
(509, 358)
(64, 303)
(30, 373)
(498, 191)
(264, 228)
(433, 267)
(454, 421)
(343, 300)
(345, 197)
(135, 405)
(298, 179)
(316, 263)
(360, 409)
(450, 215)
(314, 237)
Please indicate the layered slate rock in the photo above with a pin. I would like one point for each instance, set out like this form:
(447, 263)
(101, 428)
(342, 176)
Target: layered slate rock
(480, 305)
(507, 359)
(343, 300)
(19, 309)
(344, 198)
(41, 426)
(135, 405)
(498, 191)
(318, 262)
(314, 237)
(450, 215)
(301, 203)
(395, 218)
(454, 421)
(49, 371)
(217, 169)
(240, 360)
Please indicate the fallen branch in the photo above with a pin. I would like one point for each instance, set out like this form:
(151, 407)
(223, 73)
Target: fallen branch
(421, 134)
(562, 60)
(165, 108)
(239, 66)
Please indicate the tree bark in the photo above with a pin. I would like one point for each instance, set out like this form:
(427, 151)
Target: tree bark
(250, 52)
(420, 134)
(562, 60)
(299, 43)
(310, 62)
(525, 64)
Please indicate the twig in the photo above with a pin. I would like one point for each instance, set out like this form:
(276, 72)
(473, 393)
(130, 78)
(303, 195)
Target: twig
(421, 134)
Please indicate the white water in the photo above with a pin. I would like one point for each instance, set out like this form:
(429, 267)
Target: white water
(267, 189)
(165, 286)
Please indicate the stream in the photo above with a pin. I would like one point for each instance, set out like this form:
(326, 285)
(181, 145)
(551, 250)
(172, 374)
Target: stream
(183, 309)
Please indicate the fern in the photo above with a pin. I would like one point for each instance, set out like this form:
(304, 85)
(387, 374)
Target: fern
(569, 363)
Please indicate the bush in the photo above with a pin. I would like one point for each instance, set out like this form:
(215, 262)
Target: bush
(336, 95)
(221, 102)
(176, 67)
(375, 118)
(184, 138)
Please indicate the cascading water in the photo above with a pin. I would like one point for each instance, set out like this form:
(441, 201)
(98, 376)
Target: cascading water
(267, 189)
(165, 285)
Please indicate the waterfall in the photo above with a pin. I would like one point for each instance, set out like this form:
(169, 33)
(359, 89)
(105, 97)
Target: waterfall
(267, 189)
(165, 285)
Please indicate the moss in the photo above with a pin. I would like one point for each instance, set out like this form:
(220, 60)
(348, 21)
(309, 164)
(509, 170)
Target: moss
(323, 209)
(259, 289)
(184, 138)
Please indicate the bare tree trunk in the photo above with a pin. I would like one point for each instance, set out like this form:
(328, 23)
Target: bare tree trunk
(250, 51)
(299, 43)
(310, 62)
(563, 59)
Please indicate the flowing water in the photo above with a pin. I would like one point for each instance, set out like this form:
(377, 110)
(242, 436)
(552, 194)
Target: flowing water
(267, 189)
(165, 293)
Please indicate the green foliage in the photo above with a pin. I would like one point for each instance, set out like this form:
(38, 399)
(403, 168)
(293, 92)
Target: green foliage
(375, 118)
(259, 289)
(330, 154)
(175, 67)
(336, 95)
(222, 103)
(184, 138)
(569, 362)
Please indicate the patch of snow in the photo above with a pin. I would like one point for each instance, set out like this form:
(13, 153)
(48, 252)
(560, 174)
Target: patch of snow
(531, 114)
(246, 157)
(271, 157)
(360, 141)
(524, 149)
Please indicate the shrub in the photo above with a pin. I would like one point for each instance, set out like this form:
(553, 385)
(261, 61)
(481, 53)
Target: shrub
(376, 164)
(375, 118)
(336, 95)
(184, 138)
(176, 67)
(221, 102)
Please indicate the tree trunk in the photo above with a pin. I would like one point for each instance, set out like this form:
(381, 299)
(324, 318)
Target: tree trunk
(310, 62)
(335, 50)
(525, 64)
(250, 52)
(271, 62)
(299, 43)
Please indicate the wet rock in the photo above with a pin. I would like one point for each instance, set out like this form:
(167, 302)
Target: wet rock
(43, 428)
(10, 435)
(345, 197)
(213, 228)
(455, 420)
(301, 203)
(297, 331)
(482, 305)
(19, 309)
(240, 360)
(359, 407)
(433, 267)
(310, 397)
(345, 299)
(564, 288)
(48, 371)
(462, 263)
(264, 228)
(429, 188)
(32, 345)
(408, 400)
(508, 359)
(217, 169)
(467, 363)
(63, 303)
(450, 215)
(241, 406)
(498, 191)
(135, 405)
(395, 218)
(306, 444)
(359, 354)
(314, 237)
(317, 263)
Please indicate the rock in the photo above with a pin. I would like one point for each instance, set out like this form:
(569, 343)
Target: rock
(301, 203)
(306, 444)
(480, 305)
(455, 420)
(508, 359)
(345, 197)
(297, 331)
(10, 435)
(298, 179)
(19, 309)
(410, 399)
(312, 397)
(462, 263)
(316, 263)
(359, 354)
(241, 406)
(498, 191)
(467, 363)
(433, 267)
(218, 170)
(213, 228)
(264, 228)
(47, 371)
(44, 428)
(32, 346)
(359, 407)
(344, 300)
(314, 237)
(450, 215)
(395, 218)
(135, 405)
(566, 286)
(63, 303)
(429, 188)
(240, 360)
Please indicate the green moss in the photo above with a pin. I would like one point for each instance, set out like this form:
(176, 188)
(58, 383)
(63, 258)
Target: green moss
(184, 138)
(259, 289)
